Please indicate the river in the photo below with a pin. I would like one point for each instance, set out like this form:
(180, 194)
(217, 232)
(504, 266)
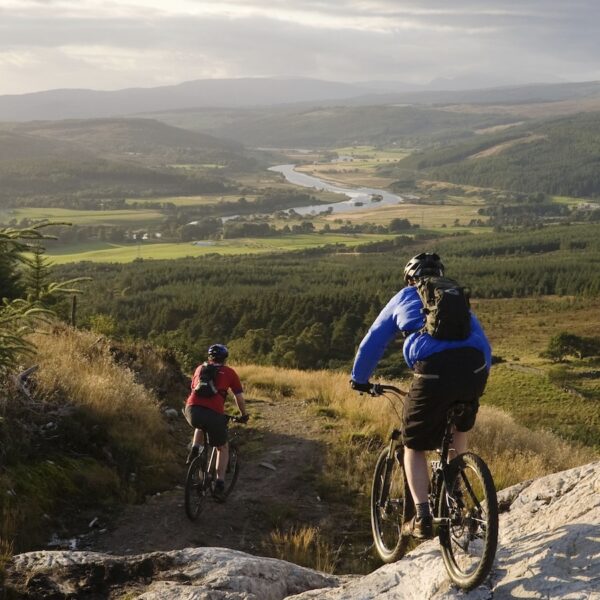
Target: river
(360, 198)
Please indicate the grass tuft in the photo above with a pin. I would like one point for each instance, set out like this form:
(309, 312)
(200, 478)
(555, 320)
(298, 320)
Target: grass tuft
(304, 546)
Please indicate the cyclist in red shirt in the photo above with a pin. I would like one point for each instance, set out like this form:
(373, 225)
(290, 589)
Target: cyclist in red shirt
(208, 412)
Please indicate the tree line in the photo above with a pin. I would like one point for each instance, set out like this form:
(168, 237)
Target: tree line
(310, 309)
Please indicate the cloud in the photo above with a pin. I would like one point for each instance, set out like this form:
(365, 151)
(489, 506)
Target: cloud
(107, 45)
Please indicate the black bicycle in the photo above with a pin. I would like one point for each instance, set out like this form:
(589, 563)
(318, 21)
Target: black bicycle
(463, 497)
(202, 473)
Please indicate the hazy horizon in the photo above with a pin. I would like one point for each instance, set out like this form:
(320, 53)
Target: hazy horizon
(55, 44)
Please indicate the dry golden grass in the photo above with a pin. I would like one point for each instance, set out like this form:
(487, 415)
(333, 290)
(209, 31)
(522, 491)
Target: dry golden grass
(6, 545)
(74, 366)
(117, 423)
(513, 452)
(516, 453)
(304, 546)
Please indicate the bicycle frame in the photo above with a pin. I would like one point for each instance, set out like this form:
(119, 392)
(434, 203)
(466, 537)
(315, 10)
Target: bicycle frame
(439, 468)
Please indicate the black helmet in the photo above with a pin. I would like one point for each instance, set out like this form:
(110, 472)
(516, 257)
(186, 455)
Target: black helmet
(422, 265)
(218, 352)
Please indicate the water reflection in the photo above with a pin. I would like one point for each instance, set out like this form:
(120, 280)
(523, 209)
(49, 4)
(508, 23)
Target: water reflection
(359, 198)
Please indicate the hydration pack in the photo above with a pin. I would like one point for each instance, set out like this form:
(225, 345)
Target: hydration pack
(446, 308)
(206, 386)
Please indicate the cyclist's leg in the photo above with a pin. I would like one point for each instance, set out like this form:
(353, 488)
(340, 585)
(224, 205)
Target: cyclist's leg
(216, 427)
(422, 427)
(222, 460)
(459, 445)
(192, 416)
(415, 467)
(198, 438)
(473, 387)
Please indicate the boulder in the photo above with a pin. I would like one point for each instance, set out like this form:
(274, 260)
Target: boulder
(192, 573)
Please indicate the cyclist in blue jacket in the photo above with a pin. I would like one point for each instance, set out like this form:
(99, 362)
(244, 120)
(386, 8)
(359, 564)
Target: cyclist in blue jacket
(445, 372)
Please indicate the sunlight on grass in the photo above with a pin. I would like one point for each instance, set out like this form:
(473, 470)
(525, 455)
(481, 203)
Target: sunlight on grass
(513, 452)
(107, 392)
(163, 251)
(303, 546)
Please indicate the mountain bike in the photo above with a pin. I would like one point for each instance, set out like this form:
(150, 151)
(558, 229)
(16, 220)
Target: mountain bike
(462, 495)
(202, 473)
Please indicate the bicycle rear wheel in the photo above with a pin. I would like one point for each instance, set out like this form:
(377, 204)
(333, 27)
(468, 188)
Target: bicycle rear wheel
(233, 469)
(195, 489)
(469, 509)
(391, 505)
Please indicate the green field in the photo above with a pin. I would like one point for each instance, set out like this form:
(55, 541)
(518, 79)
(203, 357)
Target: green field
(204, 200)
(372, 153)
(84, 217)
(361, 170)
(123, 253)
(573, 202)
(427, 216)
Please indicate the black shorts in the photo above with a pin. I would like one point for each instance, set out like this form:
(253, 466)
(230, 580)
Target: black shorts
(440, 381)
(214, 423)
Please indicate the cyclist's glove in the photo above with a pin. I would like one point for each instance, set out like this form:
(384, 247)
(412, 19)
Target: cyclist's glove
(243, 418)
(361, 387)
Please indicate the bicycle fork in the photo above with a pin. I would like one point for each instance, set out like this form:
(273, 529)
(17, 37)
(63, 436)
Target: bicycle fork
(382, 500)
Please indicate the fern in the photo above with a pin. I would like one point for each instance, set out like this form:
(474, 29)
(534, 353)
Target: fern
(20, 316)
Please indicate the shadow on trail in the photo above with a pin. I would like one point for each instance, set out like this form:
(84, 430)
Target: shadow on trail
(278, 493)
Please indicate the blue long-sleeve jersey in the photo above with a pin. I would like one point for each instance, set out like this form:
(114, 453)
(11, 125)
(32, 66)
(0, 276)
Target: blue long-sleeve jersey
(404, 313)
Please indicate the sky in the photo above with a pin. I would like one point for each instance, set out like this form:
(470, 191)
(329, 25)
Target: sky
(109, 44)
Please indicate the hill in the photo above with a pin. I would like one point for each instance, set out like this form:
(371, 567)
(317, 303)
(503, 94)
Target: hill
(330, 126)
(77, 163)
(64, 104)
(557, 156)
(134, 139)
(256, 92)
(506, 95)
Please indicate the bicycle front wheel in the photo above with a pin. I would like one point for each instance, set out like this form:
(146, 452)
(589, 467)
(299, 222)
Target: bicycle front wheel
(233, 469)
(390, 504)
(195, 489)
(468, 509)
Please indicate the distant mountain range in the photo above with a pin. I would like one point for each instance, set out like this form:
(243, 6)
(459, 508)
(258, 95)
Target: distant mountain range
(261, 92)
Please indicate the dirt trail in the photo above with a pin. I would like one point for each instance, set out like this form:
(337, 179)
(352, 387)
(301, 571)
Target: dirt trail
(284, 433)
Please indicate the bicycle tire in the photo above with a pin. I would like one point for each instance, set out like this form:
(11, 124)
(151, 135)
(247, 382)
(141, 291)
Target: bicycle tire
(387, 520)
(233, 469)
(469, 535)
(195, 492)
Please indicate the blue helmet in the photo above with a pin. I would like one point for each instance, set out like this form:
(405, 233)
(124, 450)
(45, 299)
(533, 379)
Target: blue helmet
(218, 352)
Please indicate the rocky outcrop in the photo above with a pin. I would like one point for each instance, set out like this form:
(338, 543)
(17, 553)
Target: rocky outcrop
(193, 573)
(549, 548)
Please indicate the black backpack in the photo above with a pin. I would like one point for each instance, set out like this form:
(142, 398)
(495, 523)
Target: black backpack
(206, 387)
(446, 308)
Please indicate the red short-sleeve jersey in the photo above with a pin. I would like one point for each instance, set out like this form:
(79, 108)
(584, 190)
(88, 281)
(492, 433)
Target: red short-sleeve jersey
(226, 379)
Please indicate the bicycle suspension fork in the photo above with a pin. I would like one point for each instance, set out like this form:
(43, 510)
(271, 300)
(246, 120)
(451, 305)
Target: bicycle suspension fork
(389, 463)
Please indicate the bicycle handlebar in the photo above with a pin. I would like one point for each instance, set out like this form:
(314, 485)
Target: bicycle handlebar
(236, 418)
(379, 388)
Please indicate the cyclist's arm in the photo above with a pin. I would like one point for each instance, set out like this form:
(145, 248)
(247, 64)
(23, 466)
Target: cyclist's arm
(402, 313)
(373, 346)
(241, 403)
